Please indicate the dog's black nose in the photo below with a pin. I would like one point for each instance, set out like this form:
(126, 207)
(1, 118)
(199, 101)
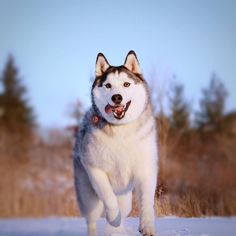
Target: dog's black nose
(116, 98)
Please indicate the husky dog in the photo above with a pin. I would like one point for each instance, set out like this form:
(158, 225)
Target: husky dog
(116, 150)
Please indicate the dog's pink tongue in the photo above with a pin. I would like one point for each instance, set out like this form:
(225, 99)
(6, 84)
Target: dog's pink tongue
(119, 110)
(108, 109)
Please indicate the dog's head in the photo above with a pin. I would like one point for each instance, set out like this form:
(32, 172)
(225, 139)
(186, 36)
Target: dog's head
(119, 92)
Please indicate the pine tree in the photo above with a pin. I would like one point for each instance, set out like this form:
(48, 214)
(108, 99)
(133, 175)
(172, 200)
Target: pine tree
(212, 105)
(180, 112)
(16, 115)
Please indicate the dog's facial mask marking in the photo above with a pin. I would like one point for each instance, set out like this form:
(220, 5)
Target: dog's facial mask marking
(124, 81)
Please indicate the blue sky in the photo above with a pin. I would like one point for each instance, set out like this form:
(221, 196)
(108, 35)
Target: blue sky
(55, 44)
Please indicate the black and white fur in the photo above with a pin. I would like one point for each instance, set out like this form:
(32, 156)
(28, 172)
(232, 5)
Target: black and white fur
(118, 152)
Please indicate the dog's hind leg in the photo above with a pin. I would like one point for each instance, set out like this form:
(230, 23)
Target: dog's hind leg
(92, 217)
(92, 228)
(91, 207)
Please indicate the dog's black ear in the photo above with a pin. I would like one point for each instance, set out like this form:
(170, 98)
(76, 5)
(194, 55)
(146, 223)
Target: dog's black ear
(101, 64)
(131, 63)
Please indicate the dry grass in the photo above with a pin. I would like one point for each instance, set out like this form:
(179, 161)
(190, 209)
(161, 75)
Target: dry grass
(39, 183)
(197, 177)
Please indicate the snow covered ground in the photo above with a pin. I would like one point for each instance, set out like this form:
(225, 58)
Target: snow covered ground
(77, 227)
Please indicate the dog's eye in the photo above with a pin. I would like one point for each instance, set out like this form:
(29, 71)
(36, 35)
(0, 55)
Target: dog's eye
(126, 84)
(108, 85)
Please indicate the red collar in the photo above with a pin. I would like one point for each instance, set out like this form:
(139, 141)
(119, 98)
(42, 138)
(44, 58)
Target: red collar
(95, 119)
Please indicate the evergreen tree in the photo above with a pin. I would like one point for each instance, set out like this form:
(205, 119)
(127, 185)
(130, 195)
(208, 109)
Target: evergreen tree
(179, 117)
(212, 105)
(16, 115)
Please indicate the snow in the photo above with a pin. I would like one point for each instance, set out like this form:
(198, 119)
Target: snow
(76, 226)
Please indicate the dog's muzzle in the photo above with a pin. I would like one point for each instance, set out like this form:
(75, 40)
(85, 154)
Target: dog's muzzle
(117, 110)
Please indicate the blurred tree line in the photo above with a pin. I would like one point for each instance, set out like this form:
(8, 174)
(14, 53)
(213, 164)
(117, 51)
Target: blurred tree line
(212, 107)
(197, 154)
(18, 121)
(17, 118)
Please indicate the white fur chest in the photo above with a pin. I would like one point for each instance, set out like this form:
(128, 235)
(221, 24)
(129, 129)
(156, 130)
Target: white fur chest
(120, 152)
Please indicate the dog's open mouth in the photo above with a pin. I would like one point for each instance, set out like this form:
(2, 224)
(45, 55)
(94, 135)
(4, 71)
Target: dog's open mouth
(117, 110)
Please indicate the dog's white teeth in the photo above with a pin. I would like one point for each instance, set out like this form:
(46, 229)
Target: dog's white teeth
(116, 114)
(120, 115)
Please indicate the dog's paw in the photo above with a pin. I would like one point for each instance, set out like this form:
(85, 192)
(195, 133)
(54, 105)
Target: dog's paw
(147, 230)
(114, 217)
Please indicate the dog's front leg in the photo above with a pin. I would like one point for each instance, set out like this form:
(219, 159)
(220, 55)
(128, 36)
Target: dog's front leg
(145, 187)
(104, 190)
